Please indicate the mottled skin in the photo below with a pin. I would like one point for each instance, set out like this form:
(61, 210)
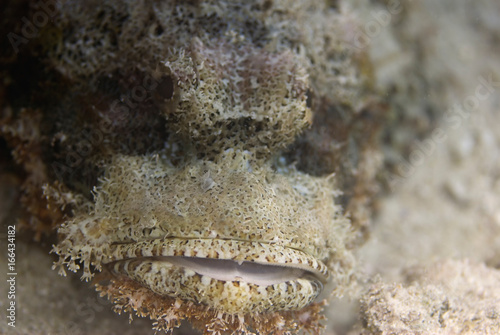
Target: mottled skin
(167, 154)
(146, 211)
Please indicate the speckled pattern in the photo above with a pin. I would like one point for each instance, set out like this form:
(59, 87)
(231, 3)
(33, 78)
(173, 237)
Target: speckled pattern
(259, 252)
(139, 261)
(233, 297)
(170, 132)
(232, 219)
(108, 200)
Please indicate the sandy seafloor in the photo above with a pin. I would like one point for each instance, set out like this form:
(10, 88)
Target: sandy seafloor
(432, 265)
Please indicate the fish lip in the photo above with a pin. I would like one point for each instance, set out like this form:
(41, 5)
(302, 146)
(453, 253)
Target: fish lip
(264, 253)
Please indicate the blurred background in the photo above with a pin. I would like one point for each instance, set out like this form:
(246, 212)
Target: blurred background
(436, 229)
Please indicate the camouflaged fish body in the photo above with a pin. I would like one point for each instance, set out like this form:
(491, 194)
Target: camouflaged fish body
(192, 193)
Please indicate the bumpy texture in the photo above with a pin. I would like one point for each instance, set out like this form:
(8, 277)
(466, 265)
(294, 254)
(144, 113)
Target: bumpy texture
(227, 210)
(445, 298)
(248, 98)
(120, 35)
(147, 198)
(66, 128)
(168, 154)
(237, 297)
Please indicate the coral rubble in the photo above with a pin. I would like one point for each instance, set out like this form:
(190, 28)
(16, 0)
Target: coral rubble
(448, 297)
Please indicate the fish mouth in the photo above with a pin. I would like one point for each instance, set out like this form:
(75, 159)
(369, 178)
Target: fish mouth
(244, 271)
(227, 275)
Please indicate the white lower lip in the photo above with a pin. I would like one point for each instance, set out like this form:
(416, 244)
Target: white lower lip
(253, 262)
(229, 270)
